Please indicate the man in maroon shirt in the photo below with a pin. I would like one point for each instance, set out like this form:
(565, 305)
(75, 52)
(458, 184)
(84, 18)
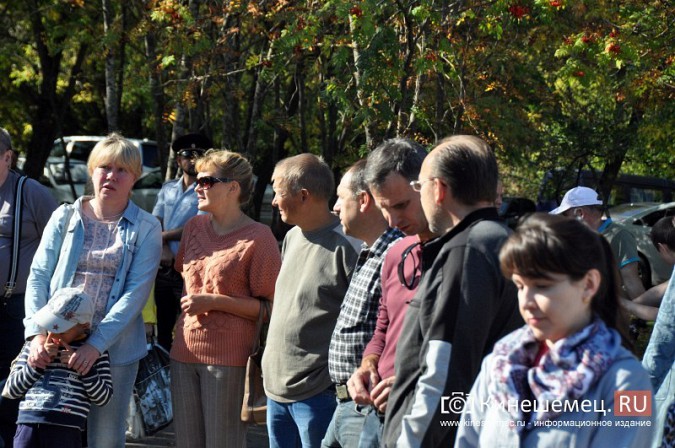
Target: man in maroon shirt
(390, 169)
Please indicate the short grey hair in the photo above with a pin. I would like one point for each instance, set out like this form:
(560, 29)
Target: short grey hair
(358, 180)
(306, 171)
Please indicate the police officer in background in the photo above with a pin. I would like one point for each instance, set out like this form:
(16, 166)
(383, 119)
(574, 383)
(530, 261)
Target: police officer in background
(176, 204)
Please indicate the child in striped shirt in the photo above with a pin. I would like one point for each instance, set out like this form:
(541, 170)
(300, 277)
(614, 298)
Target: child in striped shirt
(57, 399)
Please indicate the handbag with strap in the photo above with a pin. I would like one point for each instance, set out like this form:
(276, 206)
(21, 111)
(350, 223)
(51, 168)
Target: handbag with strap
(150, 407)
(254, 406)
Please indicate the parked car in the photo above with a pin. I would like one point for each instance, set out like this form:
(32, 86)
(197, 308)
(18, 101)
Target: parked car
(145, 190)
(638, 218)
(78, 147)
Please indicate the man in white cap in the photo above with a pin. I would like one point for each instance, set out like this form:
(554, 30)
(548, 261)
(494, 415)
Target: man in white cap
(583, 204)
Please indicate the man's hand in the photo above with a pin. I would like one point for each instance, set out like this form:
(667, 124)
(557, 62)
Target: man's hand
(166, 259)
(149, 331)
(363, 380)
(380, 393)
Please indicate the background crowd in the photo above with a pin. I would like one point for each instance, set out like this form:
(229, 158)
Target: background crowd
(409, 292)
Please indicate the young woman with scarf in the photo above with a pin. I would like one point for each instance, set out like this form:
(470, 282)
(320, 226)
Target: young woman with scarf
(553, 381)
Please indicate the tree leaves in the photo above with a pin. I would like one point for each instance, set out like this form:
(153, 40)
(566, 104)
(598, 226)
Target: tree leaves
(550, 83)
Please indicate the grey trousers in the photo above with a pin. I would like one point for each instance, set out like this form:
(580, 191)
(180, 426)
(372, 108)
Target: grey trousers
(207, 405)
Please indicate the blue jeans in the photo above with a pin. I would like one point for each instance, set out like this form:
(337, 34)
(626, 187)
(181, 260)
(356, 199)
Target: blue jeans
(301, 422)
(345, 427)
(106, 425)
(371, 435)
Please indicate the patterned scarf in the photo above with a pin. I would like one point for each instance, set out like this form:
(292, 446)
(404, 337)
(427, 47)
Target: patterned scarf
(564, 373)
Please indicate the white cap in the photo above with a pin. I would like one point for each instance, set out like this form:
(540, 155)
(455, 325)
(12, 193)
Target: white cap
(67, 308)
(577, 197)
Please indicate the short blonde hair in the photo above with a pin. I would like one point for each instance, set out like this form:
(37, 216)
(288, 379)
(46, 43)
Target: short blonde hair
(117, 149)
(231, 165)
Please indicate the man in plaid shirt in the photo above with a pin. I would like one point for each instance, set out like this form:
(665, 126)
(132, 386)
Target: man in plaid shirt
(360, 218)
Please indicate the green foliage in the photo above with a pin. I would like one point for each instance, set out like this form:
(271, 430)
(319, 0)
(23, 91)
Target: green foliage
(549, 83)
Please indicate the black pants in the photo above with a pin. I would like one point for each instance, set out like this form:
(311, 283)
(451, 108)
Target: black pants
(33, 435)
(168, 292)
(11, 341)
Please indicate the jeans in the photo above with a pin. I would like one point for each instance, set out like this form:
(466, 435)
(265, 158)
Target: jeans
(371, 435)
(345, 428)
(300, 422)
(106, 426)
(11, 341)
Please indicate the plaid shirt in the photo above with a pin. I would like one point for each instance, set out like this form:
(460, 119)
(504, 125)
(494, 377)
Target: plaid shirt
(356, 324)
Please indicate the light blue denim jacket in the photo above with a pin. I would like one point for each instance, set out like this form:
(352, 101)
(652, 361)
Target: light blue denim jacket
(659, 358)
(121, 331)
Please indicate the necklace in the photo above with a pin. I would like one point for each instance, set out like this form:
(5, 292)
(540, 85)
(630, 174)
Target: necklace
(101, 217)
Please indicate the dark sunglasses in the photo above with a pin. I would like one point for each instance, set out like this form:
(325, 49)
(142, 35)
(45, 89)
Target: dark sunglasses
(191, 153)
(412, 282)
(207, 182)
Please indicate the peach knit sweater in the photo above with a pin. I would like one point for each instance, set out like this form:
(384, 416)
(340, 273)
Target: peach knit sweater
(243, 263)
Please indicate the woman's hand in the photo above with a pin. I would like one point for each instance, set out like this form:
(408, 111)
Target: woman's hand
(193, 304)
(83, 358)
(38, 356)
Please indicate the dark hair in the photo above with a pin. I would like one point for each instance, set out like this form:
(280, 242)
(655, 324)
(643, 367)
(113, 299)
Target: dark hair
(663, 232)
(397, 155)
(469, 167)
(552, 244)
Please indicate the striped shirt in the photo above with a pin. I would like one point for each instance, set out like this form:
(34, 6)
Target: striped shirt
(58, 395)
(358, 314)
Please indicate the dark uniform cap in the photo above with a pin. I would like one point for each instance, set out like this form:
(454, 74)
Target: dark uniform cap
(192, 141)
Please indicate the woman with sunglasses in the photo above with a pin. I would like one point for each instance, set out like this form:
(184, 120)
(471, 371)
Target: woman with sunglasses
(107, 246)
(229, 265)
(553, 382)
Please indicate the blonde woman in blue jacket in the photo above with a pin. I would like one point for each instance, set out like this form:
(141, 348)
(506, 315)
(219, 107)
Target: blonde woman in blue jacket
(108, 247)
(553, 381)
